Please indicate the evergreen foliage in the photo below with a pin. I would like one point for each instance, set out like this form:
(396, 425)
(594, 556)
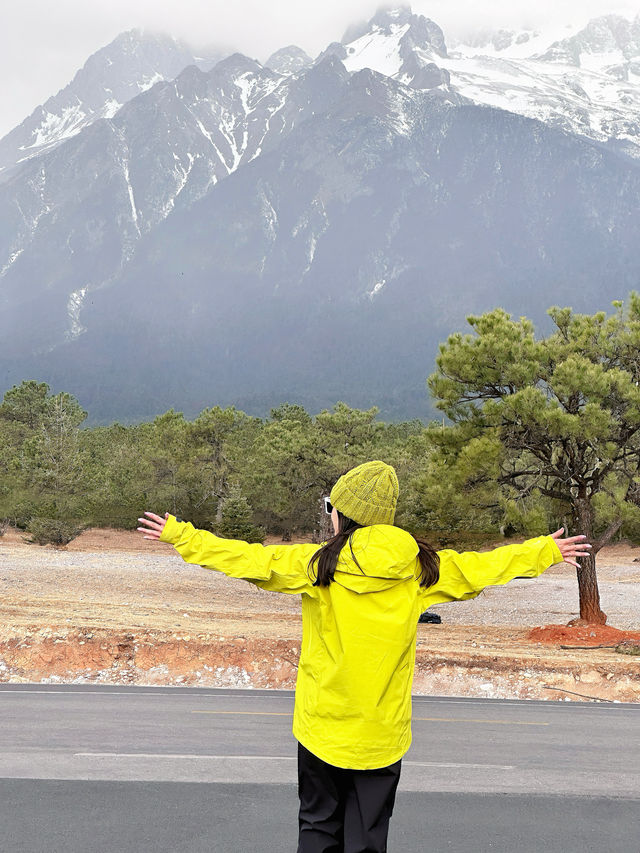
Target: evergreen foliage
(542, 429)
(52, 531)
(223, 470)
(236, 519)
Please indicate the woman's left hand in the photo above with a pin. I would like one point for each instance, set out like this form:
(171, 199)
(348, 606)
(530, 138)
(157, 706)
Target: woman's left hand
(573, 546)
(154, 525)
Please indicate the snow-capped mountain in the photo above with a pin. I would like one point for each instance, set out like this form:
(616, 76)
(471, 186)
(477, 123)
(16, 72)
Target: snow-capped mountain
(609, 44)
(396, 43)
(248, 228)
(510, 44)
(584, 81)
(111, 77)
(84, 205)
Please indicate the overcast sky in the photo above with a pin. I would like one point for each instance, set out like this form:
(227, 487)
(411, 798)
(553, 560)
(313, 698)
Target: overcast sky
(43, 43)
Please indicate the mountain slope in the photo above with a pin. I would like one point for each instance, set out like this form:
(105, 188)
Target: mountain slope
(70, 220)
(610, 44)
(111, 77)
(288, 60)
(311, 230)
(330, 267)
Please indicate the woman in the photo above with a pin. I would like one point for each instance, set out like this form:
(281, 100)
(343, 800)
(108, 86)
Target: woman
(362, 594)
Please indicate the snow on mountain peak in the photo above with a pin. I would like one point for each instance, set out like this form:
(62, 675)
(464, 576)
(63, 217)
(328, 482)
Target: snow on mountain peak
(583, 79)
(398, 44)
(384, 17)
(605, 44)
(510, 43)
(390, 15)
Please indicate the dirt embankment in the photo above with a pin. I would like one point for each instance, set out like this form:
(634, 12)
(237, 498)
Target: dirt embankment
(113, 608)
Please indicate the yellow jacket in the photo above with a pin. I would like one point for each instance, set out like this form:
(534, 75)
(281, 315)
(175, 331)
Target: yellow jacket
(353, 694)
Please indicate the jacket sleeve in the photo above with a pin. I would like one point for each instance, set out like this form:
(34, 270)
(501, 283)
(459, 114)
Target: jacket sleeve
(279, 568)
(466, 575)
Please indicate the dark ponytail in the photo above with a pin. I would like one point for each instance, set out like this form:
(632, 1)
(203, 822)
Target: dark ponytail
(325, 559)
(429, 563)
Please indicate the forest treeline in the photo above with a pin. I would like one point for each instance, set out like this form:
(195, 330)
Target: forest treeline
(540, 432)
(238, 475)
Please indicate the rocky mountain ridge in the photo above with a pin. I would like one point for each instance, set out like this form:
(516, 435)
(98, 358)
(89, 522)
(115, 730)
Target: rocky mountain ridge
(309, 230)
(132, 63)
(586, 83)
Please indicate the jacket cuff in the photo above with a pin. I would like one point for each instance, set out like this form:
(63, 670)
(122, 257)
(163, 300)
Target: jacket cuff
(172, 530)
(557, 553)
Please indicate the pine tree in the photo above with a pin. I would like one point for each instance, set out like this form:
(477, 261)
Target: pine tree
(236, 519)
(554, 418)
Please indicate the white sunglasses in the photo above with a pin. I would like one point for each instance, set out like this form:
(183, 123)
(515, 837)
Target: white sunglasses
(328, 506)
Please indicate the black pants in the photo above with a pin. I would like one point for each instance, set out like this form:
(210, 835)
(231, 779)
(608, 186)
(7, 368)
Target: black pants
(344, 811)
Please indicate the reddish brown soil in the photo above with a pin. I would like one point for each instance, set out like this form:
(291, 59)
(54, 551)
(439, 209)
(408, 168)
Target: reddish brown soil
(581, 635)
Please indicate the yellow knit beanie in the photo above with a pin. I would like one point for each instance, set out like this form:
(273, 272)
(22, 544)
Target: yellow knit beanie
(368, 493)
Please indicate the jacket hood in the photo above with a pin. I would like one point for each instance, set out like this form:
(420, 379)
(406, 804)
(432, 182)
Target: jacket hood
(386, 556)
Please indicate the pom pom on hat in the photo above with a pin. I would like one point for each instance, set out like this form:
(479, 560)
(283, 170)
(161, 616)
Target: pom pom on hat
(368, 494)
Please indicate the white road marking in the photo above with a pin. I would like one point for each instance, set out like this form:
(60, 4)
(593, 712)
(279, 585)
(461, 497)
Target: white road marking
(465, 766)
(414, 719)
(183, 755)
(272, 758)
(91, 692)
(192, 694)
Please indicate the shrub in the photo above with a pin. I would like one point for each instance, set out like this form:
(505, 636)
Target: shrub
(52, 531)
(628, 647)
(24, 510)
(236, 520)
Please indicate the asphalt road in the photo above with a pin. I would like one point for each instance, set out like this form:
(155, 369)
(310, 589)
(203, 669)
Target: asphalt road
(100, 769)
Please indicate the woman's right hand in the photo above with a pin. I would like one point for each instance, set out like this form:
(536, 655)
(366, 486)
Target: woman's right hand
(154, 525)
(573, 546)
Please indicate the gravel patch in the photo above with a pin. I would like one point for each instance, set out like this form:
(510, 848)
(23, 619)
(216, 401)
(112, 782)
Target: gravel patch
(161, 579)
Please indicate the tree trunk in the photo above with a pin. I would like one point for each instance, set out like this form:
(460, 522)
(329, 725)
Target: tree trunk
(323, 529)
(588, 592)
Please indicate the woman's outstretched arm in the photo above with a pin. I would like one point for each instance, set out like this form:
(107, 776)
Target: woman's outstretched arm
(279, 568)
(465, 575)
